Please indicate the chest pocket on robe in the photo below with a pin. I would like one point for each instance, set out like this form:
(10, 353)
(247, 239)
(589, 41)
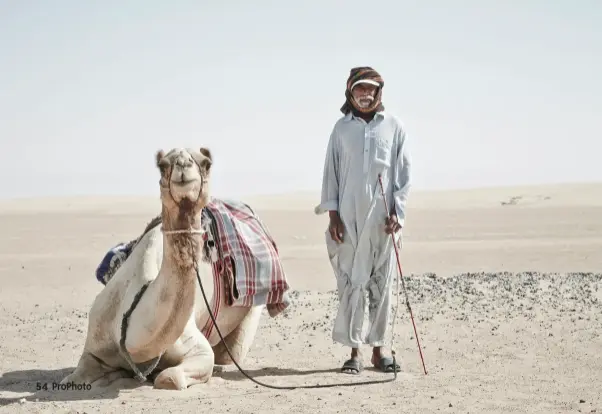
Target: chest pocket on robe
(382, 150)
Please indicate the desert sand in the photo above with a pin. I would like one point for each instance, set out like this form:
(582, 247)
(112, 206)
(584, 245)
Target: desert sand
(505, 285)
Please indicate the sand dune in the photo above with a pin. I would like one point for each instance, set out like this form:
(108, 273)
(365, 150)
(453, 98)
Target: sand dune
(505, 284)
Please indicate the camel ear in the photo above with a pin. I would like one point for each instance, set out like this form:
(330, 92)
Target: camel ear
(158, 157)
(206, 153)
(162, 163)
(208, 161)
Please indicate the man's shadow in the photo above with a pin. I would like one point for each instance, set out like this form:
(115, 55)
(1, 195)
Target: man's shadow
(38, 383)
(236, 375)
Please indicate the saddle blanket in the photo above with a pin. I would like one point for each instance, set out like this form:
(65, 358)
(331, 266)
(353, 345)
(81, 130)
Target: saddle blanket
(244, 255)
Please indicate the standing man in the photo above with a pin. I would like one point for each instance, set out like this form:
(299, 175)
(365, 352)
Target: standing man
(365, 142)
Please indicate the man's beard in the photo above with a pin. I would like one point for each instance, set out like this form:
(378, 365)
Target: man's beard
(364, 101)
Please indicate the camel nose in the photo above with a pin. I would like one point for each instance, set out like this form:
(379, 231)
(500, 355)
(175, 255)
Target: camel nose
(184, 162)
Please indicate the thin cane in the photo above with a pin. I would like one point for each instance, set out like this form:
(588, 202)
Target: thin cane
(382, 190)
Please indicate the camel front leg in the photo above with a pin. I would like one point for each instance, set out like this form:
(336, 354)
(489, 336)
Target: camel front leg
(188, 362)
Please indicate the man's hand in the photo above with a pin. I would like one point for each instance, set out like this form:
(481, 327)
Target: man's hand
(392, 224)
(336, 227)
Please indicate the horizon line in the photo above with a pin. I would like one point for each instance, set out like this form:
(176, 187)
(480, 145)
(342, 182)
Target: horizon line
(308, 192)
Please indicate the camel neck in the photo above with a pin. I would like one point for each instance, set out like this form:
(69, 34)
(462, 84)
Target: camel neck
(181, 248)
(172, 291)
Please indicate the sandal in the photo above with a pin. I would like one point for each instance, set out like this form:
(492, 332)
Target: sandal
(385, 364)
(352, 366)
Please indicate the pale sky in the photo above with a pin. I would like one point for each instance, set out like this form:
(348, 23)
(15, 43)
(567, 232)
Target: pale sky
(491, 92)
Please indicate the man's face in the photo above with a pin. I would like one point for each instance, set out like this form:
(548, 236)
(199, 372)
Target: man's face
(363, 94)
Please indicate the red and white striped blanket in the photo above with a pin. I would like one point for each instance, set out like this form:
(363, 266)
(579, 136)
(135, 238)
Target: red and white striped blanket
(248, 257)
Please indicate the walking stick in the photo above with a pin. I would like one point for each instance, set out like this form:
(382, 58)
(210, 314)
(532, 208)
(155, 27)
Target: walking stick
(382, 190)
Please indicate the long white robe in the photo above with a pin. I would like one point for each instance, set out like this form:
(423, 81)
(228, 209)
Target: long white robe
(365, 262)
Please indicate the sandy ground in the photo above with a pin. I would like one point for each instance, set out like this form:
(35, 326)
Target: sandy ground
(505, 285)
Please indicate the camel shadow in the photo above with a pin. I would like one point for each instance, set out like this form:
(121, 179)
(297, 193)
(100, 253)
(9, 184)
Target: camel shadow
(42, 385)
(39, 383)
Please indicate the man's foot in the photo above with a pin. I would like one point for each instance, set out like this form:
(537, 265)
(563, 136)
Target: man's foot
(385, 364)
(352, 366)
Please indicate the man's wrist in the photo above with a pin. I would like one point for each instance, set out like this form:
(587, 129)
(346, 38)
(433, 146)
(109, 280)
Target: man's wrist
(333, 213)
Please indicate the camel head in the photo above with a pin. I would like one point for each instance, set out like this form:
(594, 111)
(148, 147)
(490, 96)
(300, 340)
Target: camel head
(184, 179)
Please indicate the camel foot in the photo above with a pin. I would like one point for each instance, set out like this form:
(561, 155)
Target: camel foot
(188, 362)
(89, 371)
(191, 371)
(111, 377)
(171, 379)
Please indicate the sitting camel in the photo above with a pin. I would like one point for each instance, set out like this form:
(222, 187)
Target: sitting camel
(165, 325)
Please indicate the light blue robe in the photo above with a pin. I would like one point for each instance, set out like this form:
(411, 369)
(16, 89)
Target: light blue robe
(365, 262)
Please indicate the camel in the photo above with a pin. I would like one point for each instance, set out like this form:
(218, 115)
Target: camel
(165, 325)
